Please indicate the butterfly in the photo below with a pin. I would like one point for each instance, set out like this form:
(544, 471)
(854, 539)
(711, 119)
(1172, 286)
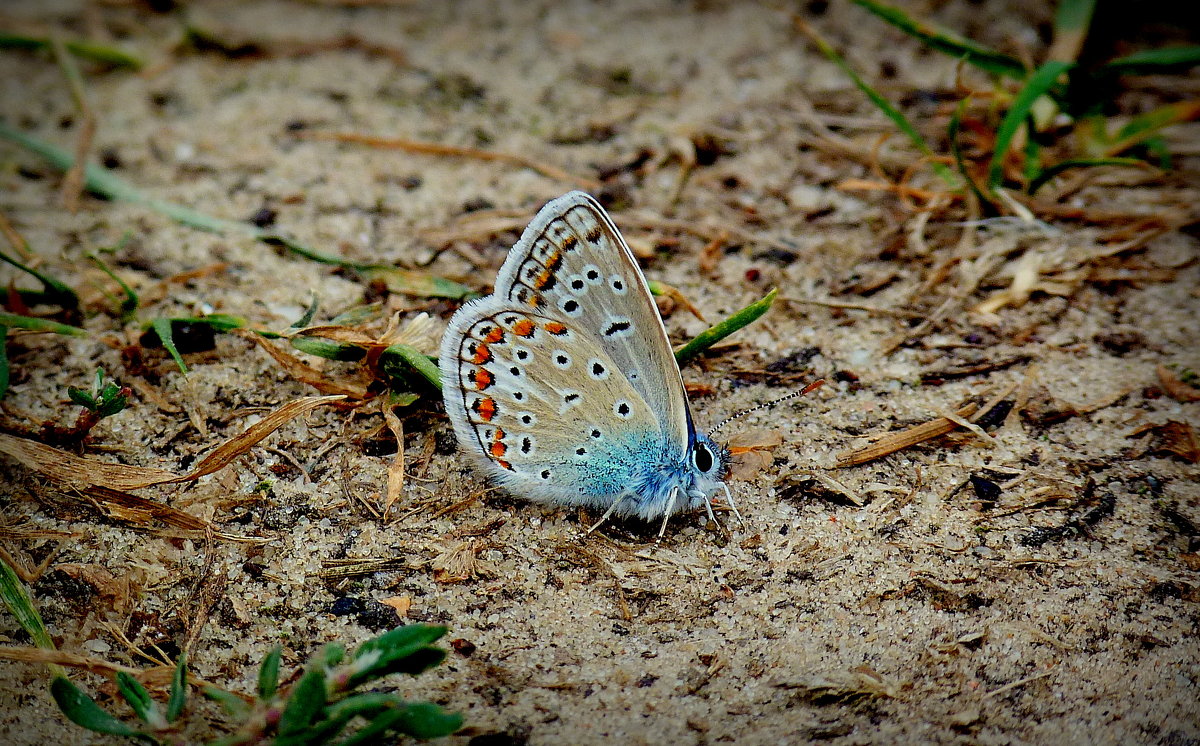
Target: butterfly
(562, 384)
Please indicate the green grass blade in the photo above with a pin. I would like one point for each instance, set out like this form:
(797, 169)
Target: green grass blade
(305, 702)
(307, 318)
(83, 711)
(39, 325)
(1155, 61)
(425, 720)
(1150, 123)
(179, 690)
(1033, 161)
(132, 301)
(56, 290)
(86, 50)
(1049, 173)
(890, 111)
(396, 359)
(723, 329)
(946, 42)
(1038, 84)
(268, 673)
(20, 605)
(162, 327)
(139, 700)
(1072, 19)
(229, 702)
(3, 360)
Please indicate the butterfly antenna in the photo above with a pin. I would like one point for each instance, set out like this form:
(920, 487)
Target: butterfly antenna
(738, 415)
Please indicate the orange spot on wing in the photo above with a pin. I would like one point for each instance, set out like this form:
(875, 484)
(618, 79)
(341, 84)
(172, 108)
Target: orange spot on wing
(483, 379)
(498, 448)
(482, 354)
(486, 408)
(556, 328)
(524, 328)
(496, 334)
(504, 464)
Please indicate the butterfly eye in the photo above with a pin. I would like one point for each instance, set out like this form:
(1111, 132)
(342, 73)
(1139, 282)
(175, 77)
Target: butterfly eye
(702, 458)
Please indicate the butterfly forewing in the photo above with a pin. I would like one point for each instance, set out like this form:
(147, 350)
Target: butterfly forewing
(571, 263)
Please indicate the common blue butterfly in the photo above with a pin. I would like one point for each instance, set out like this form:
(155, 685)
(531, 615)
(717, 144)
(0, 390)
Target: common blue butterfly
(562, 383)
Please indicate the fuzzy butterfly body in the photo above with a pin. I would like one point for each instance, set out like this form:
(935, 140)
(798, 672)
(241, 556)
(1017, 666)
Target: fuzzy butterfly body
(562, 382)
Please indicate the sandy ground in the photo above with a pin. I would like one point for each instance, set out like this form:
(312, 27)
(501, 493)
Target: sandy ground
(923, 614)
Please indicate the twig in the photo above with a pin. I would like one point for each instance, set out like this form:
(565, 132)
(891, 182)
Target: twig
(854, 307)
(893, 442)
(73, 180)
(433, 148)
(1016, 684)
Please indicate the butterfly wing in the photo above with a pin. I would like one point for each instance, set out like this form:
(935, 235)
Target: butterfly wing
(572, 262)
(562, 381)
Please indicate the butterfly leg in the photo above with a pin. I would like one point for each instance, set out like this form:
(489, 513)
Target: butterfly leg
(667, 513)
(732, 504)
(607, 513)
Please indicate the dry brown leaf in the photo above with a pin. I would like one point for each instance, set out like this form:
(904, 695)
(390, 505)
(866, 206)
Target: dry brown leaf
(400, 603)
(750, 454)
(1174, 437)
(1176, 388)
(348, 334)
(123, 506)
(395, 478)
(458, 563)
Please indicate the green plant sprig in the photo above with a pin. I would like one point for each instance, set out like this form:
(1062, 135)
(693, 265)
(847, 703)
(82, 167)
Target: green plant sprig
(105, 183)
(316, 710)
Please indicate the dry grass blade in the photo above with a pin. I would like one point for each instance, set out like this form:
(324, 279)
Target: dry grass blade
(224, 454)
(433, 148)
(69, 469)
(126, 507)
(893, 442)
(62, 658)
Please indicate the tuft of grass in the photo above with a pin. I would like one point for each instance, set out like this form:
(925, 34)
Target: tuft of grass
(32, 323)
(327, 705)
(1051, 121)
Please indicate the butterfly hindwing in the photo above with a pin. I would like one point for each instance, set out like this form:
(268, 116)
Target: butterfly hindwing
(546, 407)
